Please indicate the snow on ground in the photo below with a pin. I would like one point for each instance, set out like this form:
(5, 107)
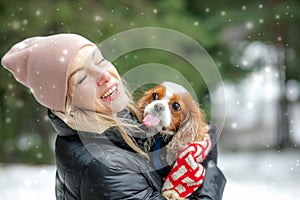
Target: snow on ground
(261, 175)
(257, 175)
(22, 182)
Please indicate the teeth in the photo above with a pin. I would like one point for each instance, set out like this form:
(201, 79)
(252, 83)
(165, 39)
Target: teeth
(110, 92)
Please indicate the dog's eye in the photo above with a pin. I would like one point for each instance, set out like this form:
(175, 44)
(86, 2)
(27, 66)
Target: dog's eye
(154, 96)
(176, 106)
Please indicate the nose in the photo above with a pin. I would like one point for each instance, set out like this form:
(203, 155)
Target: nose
(159, 107)
(104, 78)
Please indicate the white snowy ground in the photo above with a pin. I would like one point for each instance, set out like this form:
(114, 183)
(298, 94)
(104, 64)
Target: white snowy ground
(261, 175)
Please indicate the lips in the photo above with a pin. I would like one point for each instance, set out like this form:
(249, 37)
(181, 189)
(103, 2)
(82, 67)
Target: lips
(110, 93)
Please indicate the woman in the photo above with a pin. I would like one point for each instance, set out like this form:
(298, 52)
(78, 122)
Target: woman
(99, 148)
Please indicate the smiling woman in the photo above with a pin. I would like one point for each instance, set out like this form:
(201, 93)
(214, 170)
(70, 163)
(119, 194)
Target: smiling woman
(99, 147)
(94, 83)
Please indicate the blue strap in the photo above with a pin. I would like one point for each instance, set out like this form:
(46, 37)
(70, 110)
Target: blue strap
(155, 156)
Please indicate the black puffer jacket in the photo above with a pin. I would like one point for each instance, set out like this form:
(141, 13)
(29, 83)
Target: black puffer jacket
(92, 166)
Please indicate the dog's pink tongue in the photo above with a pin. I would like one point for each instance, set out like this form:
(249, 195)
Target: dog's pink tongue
(151, 120)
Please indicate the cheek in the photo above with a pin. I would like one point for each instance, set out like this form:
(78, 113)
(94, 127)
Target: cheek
(83, 95)
(113, 71)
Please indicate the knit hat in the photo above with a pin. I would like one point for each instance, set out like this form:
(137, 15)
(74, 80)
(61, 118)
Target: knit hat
(42, 64)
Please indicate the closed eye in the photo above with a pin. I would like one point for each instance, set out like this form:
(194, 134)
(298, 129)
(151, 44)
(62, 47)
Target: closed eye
(100, 61)
(81, 80)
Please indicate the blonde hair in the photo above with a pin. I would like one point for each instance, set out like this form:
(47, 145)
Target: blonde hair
(95, 122)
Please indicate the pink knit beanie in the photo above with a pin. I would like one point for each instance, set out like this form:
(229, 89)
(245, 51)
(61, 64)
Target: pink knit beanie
(42, 64)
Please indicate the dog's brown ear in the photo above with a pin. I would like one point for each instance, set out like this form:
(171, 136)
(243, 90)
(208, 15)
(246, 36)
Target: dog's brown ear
(202, 126)
(141, 104)
(192, 127)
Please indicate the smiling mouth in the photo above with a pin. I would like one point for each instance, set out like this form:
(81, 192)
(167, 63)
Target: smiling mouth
(109, 93)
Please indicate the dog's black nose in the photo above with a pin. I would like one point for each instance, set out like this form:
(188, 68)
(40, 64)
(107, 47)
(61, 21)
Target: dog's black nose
(159, 107)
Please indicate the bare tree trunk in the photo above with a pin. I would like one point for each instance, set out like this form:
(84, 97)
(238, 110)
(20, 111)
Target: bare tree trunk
(283, 134)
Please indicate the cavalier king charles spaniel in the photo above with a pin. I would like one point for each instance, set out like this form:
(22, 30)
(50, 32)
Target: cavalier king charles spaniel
(169, 109)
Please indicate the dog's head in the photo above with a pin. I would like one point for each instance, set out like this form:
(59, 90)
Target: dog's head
(169, 108)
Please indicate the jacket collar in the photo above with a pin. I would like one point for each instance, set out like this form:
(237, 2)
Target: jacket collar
(62, 129)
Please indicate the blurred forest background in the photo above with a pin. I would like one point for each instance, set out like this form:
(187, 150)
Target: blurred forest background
(253, 43)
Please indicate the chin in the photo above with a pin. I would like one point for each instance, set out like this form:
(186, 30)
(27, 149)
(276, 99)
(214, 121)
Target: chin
(119, 104)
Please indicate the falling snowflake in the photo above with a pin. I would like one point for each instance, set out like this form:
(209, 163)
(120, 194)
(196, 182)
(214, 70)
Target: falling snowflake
(249, 25)
(65, 51)
(98, 18)
(233, 125)
(62, 59)
(7, 120)
(37, 12)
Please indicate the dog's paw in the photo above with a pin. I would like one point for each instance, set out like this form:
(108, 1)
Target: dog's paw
(172, 195)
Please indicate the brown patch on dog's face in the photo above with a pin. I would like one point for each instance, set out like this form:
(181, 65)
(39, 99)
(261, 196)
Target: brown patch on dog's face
(155, 93)
(177, 108)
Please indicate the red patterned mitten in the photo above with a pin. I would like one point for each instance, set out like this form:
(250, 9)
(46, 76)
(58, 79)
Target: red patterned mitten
(187, 174)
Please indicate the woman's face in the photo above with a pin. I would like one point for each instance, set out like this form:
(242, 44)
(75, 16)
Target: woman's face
(94, 83)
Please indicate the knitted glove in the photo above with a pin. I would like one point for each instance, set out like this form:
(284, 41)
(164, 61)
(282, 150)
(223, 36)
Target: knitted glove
(187, 174)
